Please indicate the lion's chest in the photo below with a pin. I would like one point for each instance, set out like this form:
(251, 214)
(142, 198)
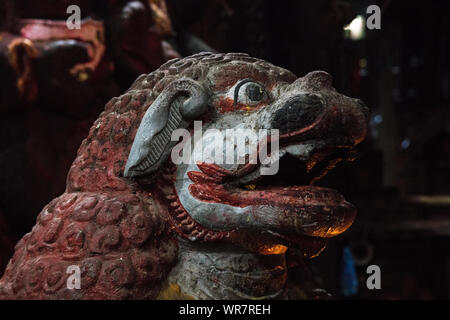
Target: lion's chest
(218, 271)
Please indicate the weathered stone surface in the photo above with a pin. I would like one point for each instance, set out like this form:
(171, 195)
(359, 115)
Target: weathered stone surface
(130, 237)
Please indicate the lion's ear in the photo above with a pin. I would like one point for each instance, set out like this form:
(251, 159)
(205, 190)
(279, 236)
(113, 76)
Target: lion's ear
(176, 107)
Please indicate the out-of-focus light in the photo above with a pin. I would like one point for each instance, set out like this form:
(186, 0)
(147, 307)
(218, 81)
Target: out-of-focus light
(378, 119)
(375, 133)
(363, 72)
(414, 62)
(397, 95)
(356, 29)
(405, 143)
(374, 122)
(362, 63)
(411, 93)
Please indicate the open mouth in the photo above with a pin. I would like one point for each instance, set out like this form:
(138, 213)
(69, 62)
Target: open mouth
(302, 164)
(289, 205)
(309, 212)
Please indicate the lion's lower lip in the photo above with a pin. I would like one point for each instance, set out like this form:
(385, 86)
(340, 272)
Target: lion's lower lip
(307, 210)
(287, 209)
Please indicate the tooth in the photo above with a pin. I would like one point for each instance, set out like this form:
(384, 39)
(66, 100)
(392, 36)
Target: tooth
(250, 187)
(188, 227)
(310, 165)
(332, 164)
(300, 151)
(185, 222)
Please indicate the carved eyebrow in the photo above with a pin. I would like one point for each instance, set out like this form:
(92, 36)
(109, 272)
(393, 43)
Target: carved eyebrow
(238, 86)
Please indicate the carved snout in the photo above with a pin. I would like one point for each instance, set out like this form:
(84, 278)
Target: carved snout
(312, 105)
(347, 119)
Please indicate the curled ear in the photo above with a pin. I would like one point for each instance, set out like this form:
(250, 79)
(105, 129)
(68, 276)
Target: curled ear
(176, 107)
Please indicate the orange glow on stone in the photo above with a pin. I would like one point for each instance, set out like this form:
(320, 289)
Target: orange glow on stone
(274, 249)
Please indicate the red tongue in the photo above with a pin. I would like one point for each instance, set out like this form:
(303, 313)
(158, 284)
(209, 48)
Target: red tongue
(210, 173)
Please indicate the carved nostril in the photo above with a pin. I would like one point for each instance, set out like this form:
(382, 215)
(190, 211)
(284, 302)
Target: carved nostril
(298, 112)
(365, 110)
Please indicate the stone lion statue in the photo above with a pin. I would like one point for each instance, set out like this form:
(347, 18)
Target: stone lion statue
(136, 225)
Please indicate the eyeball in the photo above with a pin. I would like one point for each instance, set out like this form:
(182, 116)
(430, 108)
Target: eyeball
(249, 92)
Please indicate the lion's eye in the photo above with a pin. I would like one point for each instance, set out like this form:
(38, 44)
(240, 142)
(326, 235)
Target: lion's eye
(254, 92)
(249, 92)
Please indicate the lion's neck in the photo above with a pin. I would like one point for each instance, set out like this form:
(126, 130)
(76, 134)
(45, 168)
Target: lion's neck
(221, 271)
